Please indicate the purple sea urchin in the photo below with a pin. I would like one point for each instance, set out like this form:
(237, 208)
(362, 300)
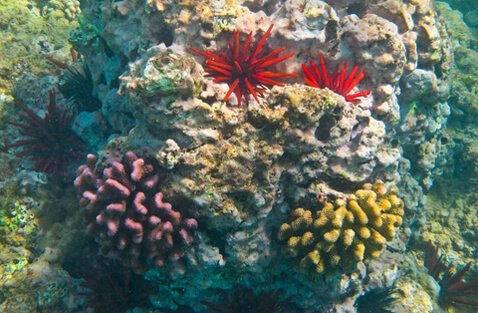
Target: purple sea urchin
(49, 141)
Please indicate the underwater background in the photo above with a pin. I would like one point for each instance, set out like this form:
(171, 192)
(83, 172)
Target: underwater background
(233, 156)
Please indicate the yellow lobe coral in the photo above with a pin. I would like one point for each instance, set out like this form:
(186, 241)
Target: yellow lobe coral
(320, 222)
(307, 239)
(332, 235)
(339, 217)
(368, 202)
(364, 233)
(346, 231)
(348, 238)
(293, 242)
(357, 211)
(319, 268)
(284, 231)
(334, 259)
(297, 212)
(359, 251)
(303, 219)
(377, 238)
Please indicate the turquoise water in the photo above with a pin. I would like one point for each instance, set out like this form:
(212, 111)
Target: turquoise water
(238, 156)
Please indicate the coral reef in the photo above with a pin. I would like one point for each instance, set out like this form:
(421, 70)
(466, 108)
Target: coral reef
(239, 167)
(127, 215)
(353, 229)
(241, 170)
(49, 141)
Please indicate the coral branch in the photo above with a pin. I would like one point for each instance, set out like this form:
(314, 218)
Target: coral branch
(128, 216)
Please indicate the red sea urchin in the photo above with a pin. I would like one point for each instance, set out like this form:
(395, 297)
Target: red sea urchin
(338, 81)
(50, 141)
(453, 289)
(244, 69)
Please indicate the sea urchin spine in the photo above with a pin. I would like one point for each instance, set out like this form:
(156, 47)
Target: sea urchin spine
(50, 141)
(338, 81)
(245, 69)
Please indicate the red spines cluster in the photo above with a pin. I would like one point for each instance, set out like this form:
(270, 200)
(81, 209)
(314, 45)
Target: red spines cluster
(245, 71)
(127, 215)
(49, 141)
(339, 81)
(453, 289)
(244, 68)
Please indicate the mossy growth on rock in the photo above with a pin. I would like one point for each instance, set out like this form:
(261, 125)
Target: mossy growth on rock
(344, 232)
(29, 35)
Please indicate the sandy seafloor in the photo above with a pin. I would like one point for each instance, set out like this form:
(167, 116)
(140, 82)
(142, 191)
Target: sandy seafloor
(137, 174)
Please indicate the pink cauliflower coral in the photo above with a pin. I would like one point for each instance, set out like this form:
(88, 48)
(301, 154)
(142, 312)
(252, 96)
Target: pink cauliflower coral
(127, 214)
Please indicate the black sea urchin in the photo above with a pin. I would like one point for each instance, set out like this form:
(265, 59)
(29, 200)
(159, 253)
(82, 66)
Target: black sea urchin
(376, 300)
(76, 85)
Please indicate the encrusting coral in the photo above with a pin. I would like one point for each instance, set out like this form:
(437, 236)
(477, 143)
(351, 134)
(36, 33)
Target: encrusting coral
(127, 214)
(352, 229)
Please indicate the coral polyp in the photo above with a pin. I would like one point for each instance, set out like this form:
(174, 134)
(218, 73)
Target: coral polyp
(50, 141)
(339, 81)
(244, 68)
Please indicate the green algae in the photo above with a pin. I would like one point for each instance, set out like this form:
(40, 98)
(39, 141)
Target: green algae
(29, 35)
(18, 224)
(464, 99)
